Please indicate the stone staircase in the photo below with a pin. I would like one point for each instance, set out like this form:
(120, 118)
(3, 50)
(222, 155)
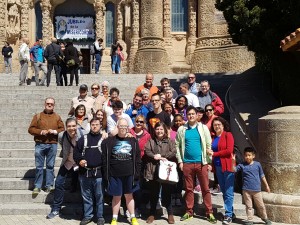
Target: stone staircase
(19, 104)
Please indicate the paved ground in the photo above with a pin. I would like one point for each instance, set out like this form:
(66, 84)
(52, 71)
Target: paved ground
(41, 220)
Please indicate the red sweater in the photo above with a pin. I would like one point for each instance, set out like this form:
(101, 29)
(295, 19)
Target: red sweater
(143, 140)
(225, 151)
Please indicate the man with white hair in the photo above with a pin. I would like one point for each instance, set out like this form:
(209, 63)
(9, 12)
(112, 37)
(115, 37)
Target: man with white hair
(121, 159)
(24, 58)
(53, 54)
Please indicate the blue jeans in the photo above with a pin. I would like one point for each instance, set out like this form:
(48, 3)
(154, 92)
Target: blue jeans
(91, 188)
(226, 182)
(42, 152)
(115, 63)
(98, 58)
(60, 187)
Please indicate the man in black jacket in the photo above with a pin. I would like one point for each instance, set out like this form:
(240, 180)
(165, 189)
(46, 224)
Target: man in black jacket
(121, 167)
(53, 54)
(88, 156)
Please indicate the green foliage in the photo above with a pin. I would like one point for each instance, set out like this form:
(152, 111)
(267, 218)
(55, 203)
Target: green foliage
(261, 25)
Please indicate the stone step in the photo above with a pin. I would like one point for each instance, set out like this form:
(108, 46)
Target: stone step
(11, 146)
(22, 162)
(16, 137)
(37, 206)
(10, 196)
(37, 209)
(21, 172)
(16, 183)
(21, 153)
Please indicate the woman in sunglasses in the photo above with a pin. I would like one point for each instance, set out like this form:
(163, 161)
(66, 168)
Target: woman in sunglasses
(141, 134)
(209, 115)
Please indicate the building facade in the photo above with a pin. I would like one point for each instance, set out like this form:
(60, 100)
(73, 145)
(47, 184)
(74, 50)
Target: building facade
(161, 36)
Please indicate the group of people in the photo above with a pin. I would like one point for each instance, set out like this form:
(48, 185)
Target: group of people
(116, 54)
(62, 57)
(117, 148)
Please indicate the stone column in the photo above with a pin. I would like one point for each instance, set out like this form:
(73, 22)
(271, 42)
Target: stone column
(119, 20)
(99, 11)
(3, 16)
(135, 28)
(215, 51)
(278, 135)
(24, 18)
(151, 55)
(167, 29)
(191, 42)
(47, 21)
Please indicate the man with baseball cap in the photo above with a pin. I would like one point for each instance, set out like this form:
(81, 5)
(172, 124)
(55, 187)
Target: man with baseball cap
(82, 99)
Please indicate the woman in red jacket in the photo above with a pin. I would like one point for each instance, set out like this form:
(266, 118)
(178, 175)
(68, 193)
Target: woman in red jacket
(141, 134)
(222, 152)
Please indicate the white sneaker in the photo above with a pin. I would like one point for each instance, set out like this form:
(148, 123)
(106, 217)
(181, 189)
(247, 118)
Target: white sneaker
(127, 214)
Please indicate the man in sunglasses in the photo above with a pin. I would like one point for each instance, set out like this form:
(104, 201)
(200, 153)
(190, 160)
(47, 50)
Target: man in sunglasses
(99, 99)
(194, 87)
(137, 107)
(45, 127)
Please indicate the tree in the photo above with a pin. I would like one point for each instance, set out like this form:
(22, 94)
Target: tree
(261, 25)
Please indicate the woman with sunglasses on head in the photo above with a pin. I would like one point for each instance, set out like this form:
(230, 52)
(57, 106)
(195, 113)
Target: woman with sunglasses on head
(209, 115)
(181, 103)
(141, 134)
(160, 147)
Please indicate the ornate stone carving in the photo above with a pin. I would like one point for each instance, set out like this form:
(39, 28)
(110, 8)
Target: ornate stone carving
(46, 21)
(151, 42)
(214, 41)
(206, 10)
(99, 9)
(167, 19)
(24, 18)
(127, 10)
(135, 18)
(14, 23)
(119, 20)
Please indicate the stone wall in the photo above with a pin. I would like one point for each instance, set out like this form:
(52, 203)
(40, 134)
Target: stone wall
(279, 154)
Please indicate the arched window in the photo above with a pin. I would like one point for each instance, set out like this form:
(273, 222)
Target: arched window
(110, 24)
(38, 19)
(179, 15)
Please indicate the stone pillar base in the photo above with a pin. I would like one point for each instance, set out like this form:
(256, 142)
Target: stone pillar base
(151, 56)
(282, 208)
(222, 59)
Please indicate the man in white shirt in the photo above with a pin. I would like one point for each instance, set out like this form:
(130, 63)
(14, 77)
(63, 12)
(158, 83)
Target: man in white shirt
(192, 99)
(24, 59)
(98, 54)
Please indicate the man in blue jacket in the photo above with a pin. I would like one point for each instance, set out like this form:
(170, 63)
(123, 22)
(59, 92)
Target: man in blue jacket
(137, 108)
(39, 64)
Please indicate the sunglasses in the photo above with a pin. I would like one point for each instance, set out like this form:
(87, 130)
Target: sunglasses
(191, 77)
(208, 110)
(49, 103)
(95, 88)
(139, 121)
